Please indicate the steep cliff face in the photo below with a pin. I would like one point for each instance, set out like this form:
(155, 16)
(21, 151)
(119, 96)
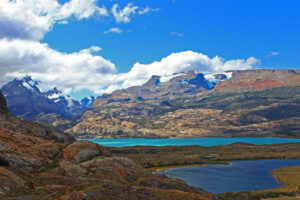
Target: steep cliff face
(237, 103)
(38, 162)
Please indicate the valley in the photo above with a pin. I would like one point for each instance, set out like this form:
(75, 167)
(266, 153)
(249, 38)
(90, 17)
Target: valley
(41, 161)
(149, 100)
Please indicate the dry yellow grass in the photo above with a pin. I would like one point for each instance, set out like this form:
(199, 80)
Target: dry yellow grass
(290, 177)
(285, 198)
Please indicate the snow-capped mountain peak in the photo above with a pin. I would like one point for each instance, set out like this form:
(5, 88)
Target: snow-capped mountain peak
(30, 84)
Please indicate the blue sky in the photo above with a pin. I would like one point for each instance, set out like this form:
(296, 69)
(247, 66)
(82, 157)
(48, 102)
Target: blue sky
(67, 43)
(231, 29)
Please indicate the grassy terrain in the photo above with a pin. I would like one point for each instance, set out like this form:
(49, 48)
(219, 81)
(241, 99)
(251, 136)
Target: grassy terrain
(289, 176)
(172, 156)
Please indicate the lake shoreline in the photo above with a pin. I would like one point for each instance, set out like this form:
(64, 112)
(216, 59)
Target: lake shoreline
(201, 177)
(162, 169)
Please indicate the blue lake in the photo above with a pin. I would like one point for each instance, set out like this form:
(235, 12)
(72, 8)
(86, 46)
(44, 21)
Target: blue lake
(188, 141)
(239, 176)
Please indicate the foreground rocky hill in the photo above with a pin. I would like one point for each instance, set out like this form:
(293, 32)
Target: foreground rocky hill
(39, 162)
(237, 103)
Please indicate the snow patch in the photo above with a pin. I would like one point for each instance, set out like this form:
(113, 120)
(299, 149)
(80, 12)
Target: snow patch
(70, 101)
(212, 81)
(29, 87)
(167, 78)
(228, 75)
(54, 96)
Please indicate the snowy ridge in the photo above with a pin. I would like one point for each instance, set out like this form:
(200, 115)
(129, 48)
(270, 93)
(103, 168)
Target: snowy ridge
(168, 78)
(214, 79)
(70, 101)
(30, 84)
(53, 95)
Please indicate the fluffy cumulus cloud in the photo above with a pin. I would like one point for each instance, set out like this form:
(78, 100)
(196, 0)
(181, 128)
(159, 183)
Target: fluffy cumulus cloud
(77, 70)
(32, 19)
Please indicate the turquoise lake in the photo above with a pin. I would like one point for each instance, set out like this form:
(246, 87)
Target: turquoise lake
(239, 176)
(188, 141)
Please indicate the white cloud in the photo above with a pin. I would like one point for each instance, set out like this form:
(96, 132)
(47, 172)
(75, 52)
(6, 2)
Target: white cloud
(125, 14)
(75, 71)
(148, 9)
(114, 30)
(32, 19)
(177, 34)
(175, 63)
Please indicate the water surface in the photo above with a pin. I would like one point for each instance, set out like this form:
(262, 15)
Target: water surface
(189, 141)
(239, 176)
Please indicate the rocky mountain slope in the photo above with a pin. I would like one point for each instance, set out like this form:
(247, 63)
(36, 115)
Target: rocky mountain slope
(39, 162)
(236, 103)
(27, 101)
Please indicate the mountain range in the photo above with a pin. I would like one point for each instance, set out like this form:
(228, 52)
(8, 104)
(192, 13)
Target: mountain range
(26, 100)
(255, 103)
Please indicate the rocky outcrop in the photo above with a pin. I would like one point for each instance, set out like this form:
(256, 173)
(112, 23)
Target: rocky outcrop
(81, 151)
(251, 103)
(38, 162)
